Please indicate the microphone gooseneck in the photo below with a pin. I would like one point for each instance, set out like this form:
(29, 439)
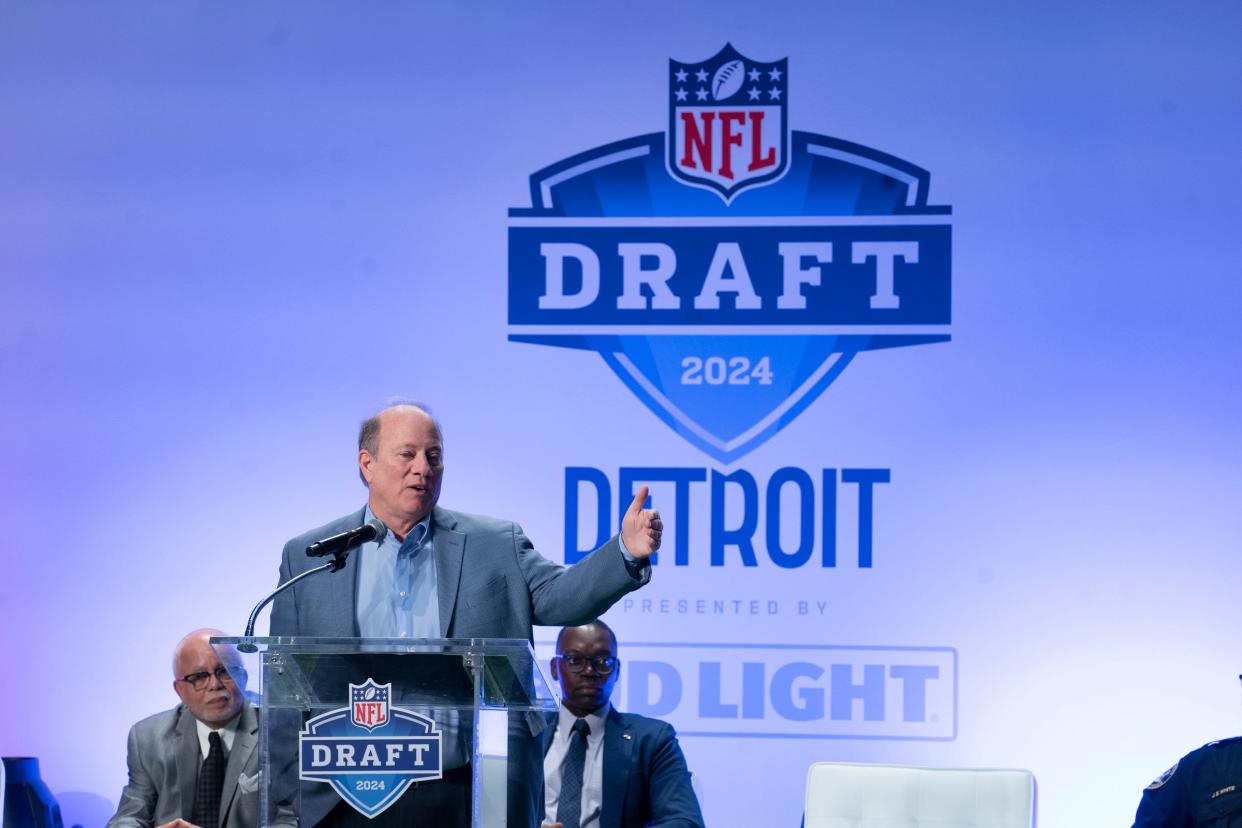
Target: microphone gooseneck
(338, 547)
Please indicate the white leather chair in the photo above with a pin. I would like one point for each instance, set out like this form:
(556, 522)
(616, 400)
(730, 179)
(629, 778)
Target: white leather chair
(894, 796)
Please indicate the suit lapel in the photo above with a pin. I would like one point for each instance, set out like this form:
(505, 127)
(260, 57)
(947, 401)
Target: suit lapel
(548, 732)
(344, 613)
(244, 742)
(450, 547)
(617, 750)
(189, 757)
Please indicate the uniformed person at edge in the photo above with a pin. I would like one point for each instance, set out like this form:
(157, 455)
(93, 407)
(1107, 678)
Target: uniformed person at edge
(1204, 788)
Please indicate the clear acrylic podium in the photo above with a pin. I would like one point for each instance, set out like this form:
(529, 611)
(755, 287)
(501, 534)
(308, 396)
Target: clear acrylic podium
(364, 721)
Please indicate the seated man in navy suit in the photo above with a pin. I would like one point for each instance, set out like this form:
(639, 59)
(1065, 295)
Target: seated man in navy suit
(603, 768)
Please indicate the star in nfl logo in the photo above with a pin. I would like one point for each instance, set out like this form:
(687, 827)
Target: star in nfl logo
(369, 704)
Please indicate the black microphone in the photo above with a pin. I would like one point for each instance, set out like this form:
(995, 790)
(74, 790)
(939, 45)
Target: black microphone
(374, 530)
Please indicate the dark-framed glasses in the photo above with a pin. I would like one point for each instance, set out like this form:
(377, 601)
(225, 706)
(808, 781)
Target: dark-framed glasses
(603, 665)
(200, 681)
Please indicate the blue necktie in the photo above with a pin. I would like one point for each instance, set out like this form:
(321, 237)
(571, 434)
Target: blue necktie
(569, 806)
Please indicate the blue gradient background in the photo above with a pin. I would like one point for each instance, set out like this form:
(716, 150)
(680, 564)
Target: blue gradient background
(228, 231)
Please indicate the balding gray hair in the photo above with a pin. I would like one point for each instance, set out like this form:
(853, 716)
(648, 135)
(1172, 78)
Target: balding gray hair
(368, 435)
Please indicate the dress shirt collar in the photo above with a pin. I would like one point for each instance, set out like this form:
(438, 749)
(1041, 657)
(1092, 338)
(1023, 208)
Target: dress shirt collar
(420, 534)
(227, 733)
(565, 723)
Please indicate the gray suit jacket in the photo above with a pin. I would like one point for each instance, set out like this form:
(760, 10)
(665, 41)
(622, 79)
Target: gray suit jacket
(164, 758)
(491, 582)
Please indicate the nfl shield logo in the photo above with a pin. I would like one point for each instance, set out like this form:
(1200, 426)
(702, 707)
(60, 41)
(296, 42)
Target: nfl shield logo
(369, 704)
(727, 122)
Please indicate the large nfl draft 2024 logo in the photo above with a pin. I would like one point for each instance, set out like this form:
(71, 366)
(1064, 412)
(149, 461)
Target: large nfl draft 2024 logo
(730, 269)
(370, 752)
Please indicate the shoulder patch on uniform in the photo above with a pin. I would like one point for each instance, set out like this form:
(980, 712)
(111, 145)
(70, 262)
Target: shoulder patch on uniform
(1162, 778)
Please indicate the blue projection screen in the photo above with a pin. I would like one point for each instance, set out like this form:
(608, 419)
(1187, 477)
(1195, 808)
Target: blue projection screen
(915, 318)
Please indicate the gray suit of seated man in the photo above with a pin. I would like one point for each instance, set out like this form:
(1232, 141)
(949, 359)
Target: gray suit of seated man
(168, 751)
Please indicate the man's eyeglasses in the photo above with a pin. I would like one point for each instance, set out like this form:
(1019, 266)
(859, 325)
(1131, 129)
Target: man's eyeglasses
(200, 681)
(602, 664)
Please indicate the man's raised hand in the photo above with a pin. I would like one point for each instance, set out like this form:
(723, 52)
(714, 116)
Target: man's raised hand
(641, 528)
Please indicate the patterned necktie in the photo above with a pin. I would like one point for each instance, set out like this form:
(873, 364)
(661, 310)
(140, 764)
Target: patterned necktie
(569, 806)
(210, 785)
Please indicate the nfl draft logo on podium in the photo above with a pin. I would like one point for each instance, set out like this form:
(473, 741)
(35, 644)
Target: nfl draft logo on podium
(730, 269)
(370, 752)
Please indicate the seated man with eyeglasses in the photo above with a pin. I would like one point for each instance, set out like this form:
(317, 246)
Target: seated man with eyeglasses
(196, 766)
(603, 768)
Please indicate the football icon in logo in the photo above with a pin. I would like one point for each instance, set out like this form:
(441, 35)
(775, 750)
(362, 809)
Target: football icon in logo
(727, 80)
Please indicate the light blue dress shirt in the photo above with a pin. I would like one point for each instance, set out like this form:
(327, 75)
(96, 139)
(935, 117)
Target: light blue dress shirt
(397, 586)
(592, 769)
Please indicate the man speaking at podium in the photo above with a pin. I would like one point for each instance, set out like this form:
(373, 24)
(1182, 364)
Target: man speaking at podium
(445, 574)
